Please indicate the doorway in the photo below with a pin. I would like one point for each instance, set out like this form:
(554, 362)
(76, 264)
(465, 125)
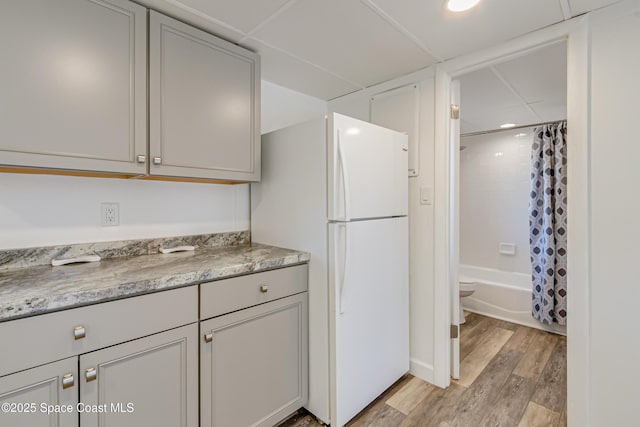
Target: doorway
(574, 33)
(500, 107)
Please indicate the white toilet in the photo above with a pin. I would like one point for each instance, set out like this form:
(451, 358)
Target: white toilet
(467, 288)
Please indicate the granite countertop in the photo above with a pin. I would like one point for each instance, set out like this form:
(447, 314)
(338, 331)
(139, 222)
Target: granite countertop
(40, 289)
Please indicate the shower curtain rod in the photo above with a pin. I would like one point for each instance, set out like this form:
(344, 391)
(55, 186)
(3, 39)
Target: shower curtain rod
(483, 132)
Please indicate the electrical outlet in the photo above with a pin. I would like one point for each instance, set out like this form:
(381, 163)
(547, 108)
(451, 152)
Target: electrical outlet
(109, 214)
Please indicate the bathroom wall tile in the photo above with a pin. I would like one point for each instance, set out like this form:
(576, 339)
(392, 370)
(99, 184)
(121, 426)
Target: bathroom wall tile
(494, 199)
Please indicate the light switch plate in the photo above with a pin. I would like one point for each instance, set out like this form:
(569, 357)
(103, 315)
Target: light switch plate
(426, 195)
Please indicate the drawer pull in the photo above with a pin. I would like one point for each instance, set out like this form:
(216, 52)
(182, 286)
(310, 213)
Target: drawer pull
(208, 338)
(157, 161)
(264, 289)
(90, 374)
(67, 381)
(79, 332)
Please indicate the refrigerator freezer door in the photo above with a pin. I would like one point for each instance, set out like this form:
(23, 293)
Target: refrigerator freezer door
(369, 311)
(367, 170)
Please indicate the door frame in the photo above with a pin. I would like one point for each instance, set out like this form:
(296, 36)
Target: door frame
(576, 33)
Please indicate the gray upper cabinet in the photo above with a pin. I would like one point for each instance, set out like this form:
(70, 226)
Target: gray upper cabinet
(203, 104)
(74, 83)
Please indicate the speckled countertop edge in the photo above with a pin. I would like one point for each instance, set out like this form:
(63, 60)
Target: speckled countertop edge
(43, 289)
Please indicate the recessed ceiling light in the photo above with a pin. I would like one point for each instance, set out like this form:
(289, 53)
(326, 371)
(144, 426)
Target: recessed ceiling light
(460, 5)
(507, 125)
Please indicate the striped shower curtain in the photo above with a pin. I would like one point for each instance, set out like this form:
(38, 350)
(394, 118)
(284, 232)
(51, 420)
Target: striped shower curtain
(548, 223)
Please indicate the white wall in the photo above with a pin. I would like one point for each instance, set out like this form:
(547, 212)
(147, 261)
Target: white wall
(421, 219)
(41, 210)
(282, 107)
(615, 213)
(494, 199)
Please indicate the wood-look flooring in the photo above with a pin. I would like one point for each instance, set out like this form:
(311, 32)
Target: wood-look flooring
(510, 376)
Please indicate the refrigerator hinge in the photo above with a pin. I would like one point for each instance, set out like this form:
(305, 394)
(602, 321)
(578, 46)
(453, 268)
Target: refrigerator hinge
(453, 331)
(455, 111)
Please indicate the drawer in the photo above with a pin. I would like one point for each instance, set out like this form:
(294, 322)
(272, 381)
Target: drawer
(227, 295)
(42, 339)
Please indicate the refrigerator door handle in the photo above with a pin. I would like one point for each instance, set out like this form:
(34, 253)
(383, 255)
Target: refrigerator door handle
(343, 258)
(345, 179)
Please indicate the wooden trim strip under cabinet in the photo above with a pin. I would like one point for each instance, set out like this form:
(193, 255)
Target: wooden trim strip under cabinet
(91, 174)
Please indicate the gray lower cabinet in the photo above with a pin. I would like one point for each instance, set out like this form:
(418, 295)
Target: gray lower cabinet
(30, 398)
(73, 83)
(204, 104)
(134, 362)
(152, 381)
(130, 362)
(253, 364)
(254, 348)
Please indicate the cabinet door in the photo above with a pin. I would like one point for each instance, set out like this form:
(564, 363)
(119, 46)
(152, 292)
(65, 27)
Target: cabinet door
(204, 104)
(73, 83)
(32, 396)
(151, 381)
(254, 369)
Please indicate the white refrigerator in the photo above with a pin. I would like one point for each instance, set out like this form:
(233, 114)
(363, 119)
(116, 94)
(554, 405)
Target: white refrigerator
(337, 187)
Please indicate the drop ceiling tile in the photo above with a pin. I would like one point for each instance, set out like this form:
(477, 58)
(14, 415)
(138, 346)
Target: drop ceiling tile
(467, 127)
(287, 71)
(551, 110)
(482, 90)
(242, 14)
(189, 15)
(579, 7)
(449, 34)
(541, 75)
(346, 37)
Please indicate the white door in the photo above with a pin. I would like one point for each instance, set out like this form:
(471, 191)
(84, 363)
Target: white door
(367, 170)
(455, 232)
(369, 312)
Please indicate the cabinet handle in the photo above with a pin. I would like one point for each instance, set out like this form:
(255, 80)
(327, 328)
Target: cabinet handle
(79, 332)
(141, 159)
(264, 289)
(90, 374)
(67, 381)
(157, 160)
(208, 338)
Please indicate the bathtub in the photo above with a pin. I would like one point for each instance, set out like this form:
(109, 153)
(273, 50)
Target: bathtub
(503, 295)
